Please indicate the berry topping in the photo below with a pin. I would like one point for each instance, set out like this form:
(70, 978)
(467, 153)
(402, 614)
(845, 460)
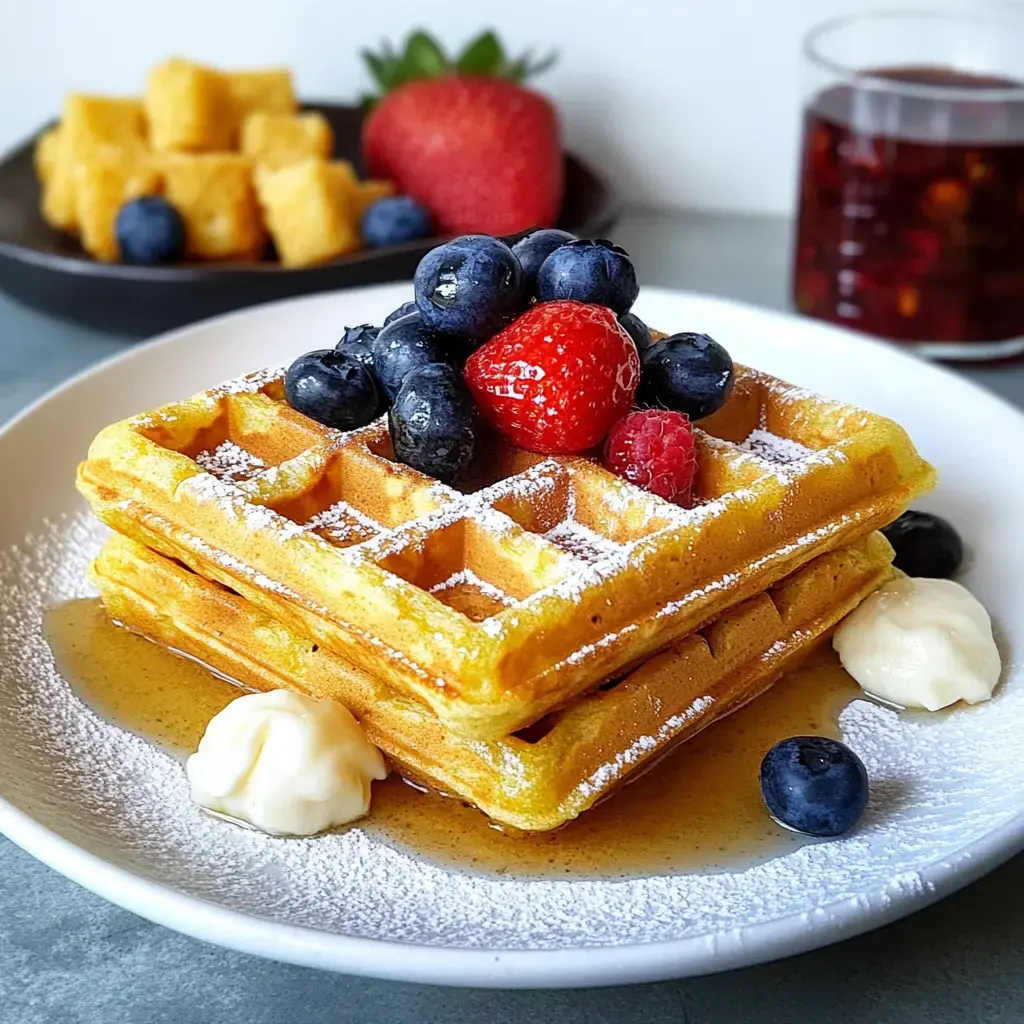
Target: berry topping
(431, 422)
(403, 310)
(471, 286)
(557, 378)
(393, 220)
(589, 270)
(358, 342)
(690, 373)
(332, 388)
(925, 545)
(533, 249)
(814, 785)
(638, 330)
(654, 449)
(149, 231)
(405, 345)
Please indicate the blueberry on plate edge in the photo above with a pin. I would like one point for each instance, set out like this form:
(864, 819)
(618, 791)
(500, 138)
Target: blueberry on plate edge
(432, 422)
(925, 545)
(688, 373)
(814, 785)
(332, 388)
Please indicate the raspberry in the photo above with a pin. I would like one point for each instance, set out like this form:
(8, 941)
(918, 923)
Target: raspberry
(654, 449)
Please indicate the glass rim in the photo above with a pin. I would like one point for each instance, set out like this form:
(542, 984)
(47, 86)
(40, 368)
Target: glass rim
(869, 79)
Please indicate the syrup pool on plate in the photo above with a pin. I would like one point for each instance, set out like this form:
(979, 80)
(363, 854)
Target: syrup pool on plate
(699, 808)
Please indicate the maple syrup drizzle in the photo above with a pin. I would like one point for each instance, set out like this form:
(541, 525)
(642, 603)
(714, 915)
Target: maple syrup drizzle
(700, 808)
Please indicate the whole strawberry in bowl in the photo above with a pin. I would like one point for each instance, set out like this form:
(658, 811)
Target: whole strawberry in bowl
(464, 137)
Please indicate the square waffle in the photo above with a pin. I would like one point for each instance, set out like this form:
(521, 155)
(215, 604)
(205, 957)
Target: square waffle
(559, 767)
(537, 580)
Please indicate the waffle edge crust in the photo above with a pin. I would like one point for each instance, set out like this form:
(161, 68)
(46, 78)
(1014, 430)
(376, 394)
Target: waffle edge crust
(570, 760)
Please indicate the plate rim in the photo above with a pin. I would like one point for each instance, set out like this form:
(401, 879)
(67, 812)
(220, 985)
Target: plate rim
(572, 967)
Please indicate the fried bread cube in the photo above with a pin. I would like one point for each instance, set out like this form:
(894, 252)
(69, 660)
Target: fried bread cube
(92, 127)
(275, 140)
(58, 197)
(189, 107)
(214, 194)
(93, 123)
(308, 208)
(102, 186)
(46, 153)
(269, 90)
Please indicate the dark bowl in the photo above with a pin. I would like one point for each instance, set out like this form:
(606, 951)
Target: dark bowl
(46, 269)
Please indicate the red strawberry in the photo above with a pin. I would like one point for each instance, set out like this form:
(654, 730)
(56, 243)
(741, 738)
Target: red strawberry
(654, 449)
(557, 378)
(482, 154)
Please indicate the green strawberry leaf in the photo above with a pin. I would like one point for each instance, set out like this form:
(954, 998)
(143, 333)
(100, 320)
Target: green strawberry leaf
(423, 57)
(482, 56)
(545, 63)
(380, 68)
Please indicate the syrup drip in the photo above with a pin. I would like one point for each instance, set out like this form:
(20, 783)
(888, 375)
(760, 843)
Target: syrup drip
(699, 809)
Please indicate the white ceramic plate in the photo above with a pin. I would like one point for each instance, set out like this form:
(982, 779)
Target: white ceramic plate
(111, 813)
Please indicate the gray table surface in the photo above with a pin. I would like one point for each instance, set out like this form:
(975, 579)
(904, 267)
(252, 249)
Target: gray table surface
(66, 955)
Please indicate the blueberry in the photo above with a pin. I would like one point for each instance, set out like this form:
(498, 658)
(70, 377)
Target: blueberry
(357, 342)
(925, 545)
(332, 388)
(589, 270)
(432, 422)
(471, 286)
(394, 220)
(403, 310)
(533, 249)
(407, 344)
(149, 230)
(637, 329)
(814, 785)
(690, 373)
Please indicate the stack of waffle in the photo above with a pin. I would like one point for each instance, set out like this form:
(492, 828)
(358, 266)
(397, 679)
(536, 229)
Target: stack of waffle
(528, 640)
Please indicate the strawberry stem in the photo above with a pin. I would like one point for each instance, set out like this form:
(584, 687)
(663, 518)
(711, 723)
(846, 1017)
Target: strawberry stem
(424, 57)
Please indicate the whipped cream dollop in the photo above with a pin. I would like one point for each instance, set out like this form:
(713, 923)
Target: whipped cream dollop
(921, 643)
(285, 763)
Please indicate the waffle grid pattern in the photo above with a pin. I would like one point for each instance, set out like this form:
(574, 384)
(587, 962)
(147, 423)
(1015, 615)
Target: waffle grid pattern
(538, 580)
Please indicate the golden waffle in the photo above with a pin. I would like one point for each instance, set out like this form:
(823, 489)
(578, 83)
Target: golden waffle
(563, 764)
(540, 579)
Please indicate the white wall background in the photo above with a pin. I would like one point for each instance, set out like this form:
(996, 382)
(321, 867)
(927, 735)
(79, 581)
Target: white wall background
(685, 103)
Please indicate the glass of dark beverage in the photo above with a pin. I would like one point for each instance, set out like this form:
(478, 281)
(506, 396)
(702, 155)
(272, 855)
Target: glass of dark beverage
(911, 207)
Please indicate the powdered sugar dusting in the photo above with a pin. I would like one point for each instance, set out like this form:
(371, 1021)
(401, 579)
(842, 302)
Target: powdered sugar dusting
(229, 462)
(939, 784)
(580, 541)
(610, 771)
(773, 448)
(468, 578)
(249, 383)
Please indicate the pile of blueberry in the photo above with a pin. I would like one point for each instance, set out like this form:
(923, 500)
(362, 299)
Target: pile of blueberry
(466, 291)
